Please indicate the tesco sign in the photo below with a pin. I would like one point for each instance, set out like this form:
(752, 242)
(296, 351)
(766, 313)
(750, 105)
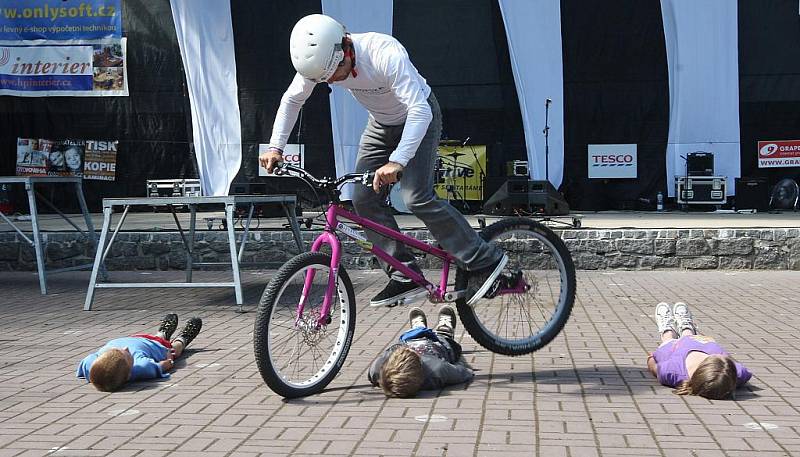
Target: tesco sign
(293, 154)
(612, 161)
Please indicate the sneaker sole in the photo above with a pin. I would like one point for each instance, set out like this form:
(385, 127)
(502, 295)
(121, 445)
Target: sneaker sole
(486, 285)
(405, 297)
(691, 325)
(669, 308)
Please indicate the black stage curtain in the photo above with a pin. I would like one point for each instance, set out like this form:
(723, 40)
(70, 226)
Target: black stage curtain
(461, 50)
(616, 90)
(769, 81)
(264, 71)
(152, 124)
(615, 86)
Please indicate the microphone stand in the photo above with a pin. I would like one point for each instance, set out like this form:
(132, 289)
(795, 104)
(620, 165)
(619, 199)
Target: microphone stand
(546, 132)
(482, 174)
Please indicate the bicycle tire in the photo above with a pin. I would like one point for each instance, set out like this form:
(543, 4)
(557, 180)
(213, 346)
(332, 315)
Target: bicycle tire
(276, 303)
(478, 318)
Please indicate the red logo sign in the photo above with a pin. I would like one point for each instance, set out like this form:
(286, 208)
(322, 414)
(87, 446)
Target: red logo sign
(784, 153)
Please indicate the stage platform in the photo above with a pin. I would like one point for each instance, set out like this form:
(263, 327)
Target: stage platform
(605, 240)
(602, 220)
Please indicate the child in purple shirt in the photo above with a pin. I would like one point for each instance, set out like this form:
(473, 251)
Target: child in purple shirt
(693, 364)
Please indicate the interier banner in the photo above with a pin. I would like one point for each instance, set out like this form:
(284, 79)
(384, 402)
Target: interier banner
(60, 48)
(462, 170)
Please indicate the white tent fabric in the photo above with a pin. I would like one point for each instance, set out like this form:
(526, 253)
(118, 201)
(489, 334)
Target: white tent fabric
(703, 60)
(205, 37)
(348, 117)
(533, 29)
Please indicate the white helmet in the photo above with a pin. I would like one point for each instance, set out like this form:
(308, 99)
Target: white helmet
(316, 46)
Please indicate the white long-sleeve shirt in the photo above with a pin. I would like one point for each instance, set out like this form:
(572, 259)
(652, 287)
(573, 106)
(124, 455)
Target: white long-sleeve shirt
(388, 86)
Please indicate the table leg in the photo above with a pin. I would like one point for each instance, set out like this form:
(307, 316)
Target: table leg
(246, 231)
(190, 250)
(37, 241)
(289, 209)
(237, 280)
(98, 257)
(89, 225)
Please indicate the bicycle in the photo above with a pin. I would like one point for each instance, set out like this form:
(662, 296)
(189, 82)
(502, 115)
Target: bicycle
(306, 316)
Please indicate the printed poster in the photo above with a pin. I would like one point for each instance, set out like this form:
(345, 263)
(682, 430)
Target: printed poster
(461, 169)
(100, 160)
(62, 48)
(87, 159)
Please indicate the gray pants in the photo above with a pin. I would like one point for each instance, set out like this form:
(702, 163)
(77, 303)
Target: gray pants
(445, 223)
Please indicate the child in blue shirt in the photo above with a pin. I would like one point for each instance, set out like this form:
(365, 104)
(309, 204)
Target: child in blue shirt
(139, 356)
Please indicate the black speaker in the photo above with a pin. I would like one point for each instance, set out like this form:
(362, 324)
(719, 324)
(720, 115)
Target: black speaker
(700, 164)
(522, 195)
(752, 193)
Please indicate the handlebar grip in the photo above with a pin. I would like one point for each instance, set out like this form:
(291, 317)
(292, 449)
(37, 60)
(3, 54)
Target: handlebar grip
(369, 176)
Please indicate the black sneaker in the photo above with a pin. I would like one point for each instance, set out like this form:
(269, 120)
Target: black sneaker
(190, 331)
(416, 317)
(168, 325)
(396, 291)
(447, 321)
(482, 281)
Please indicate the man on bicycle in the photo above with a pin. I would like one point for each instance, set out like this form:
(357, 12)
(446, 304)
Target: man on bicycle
(402, 135)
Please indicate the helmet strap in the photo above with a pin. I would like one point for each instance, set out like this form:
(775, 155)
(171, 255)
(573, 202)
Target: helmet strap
(349, 53)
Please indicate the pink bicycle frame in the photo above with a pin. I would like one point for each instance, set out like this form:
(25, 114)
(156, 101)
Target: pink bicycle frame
(328, 236)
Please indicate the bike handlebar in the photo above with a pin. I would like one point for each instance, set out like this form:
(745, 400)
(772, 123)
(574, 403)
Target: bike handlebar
(366, 178)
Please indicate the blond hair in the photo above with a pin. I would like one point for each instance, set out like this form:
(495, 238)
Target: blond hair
(401, 374)
(110, 371)
(714, 378)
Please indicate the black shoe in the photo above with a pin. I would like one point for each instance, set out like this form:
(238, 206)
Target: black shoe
(168, 325)
(482, 283)
(394, 292)
(190, 331)
(447, 321)
(416, 317)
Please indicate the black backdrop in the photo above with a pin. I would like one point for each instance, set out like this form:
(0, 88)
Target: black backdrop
(615, 88)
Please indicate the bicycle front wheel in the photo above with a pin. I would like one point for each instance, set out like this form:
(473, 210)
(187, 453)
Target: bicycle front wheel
(520, 323)
(295, 355)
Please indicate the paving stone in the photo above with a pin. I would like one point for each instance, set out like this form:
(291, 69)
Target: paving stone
(586, 394)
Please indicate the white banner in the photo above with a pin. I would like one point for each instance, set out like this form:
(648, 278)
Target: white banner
(703, 60)
(533, 28)
(205, 37)
(612, 161)
(66, 68)
(348, 117)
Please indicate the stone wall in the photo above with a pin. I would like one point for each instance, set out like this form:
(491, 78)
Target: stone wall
(641, 249)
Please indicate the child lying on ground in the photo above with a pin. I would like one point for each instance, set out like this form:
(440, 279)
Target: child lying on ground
(693, 364)
(425, 359)
(139, 356)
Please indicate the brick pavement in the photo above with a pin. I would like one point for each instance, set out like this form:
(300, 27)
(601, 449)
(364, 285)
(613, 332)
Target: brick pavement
(586, 394)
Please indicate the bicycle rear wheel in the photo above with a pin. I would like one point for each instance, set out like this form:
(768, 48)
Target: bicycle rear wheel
(520, 323)
(297, 357)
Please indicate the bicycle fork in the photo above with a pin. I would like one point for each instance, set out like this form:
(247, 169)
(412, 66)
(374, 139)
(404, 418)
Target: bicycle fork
(325, 312)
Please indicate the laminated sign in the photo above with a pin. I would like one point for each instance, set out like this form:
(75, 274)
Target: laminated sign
(773, 154)
(57, 48)
(90, 159)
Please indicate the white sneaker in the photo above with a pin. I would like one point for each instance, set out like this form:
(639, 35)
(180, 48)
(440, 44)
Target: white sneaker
(683, 318)
(664, 318)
